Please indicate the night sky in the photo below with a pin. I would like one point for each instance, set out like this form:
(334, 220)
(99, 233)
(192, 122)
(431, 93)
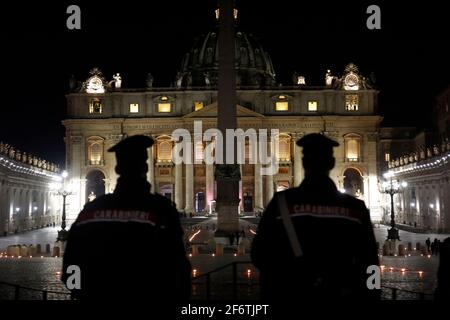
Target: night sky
(409, 55)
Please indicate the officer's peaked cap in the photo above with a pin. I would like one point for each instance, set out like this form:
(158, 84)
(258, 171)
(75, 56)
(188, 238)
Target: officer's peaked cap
(133, 148)
(317, 143)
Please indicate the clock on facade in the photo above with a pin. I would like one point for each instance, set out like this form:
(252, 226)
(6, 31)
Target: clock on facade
(351, 82)
(95, 85)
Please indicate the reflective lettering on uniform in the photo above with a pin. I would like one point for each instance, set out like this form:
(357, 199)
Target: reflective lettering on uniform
(326, 211)
(117, 216)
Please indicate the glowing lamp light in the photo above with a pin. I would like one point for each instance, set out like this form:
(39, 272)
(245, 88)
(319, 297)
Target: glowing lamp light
(213, 254)
(19, 257)
(420, 273)
(403, 269)
(429, 256)
(391, 269)
(58, 273)
(194, 272)
(64, 174)
(42, 257)
(235, 254)
(342, 190)
(190, 255)
(31, 256)
(17, 209)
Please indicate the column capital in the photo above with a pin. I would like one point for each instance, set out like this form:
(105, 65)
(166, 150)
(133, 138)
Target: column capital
(296, 135)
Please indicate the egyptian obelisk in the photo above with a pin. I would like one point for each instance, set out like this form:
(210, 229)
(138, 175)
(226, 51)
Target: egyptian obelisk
(227, 175)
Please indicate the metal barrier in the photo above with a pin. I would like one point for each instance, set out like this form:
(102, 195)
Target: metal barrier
(44, 294)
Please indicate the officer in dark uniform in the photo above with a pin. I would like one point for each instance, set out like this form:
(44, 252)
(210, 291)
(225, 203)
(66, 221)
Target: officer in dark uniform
(129, 244)
(442, 292)
(314, 242)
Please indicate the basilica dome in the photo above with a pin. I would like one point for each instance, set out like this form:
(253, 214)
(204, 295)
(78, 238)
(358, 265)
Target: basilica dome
(200, 66)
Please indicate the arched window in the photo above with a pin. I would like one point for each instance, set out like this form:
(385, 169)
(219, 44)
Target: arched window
(95, 106)
(284, 148)
(164, 150)
(199, 154)
(96, 153)
(352, 147)
(351, 102)
(95, 150)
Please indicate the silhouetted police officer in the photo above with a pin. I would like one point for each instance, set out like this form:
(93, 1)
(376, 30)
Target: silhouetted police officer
(314, 242)
(128, 244)
(442, 292)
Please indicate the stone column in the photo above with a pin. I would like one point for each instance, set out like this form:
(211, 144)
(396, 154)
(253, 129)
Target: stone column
(179, 186)
(189, 188)
(269, 188)
(259, 205)
(151, 168)
(209, 185)
(298, 166)
(241, 191)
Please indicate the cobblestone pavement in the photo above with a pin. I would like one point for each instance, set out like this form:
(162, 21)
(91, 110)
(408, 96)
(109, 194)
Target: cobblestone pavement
(419, 275)
(40, 236)
(405, 236)
(419, 272)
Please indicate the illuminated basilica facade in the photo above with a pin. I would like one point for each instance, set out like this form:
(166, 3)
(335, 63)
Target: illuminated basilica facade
(101, 113)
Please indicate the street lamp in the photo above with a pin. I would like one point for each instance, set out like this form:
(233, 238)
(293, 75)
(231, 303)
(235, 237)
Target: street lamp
(392, 187)
(63, 233)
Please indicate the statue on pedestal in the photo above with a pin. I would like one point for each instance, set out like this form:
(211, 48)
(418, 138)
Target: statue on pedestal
(149, 81)
(207, 79)
(72, 82)
(117, 81)
(179, 80)
(328, 78)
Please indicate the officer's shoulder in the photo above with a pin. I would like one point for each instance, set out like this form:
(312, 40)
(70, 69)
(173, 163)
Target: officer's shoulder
(162, 200)
(289, 193)
(99, 202)
(352, 201)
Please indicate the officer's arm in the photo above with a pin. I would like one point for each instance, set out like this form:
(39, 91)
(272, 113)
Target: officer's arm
(264, 241)
(369, 252)
(71, 256)
(181, 263)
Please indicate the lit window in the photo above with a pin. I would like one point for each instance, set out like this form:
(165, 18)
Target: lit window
(95, 150)
(235, 13)
(301, 80)
(134, 107)
(284, 149)
(95, 106)
(164, 107)
(312, 105)
(281, 106)
(199, 155)
(352, 149)
(387, 157)
(198, 105)
(165, 151)
(351, 102)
